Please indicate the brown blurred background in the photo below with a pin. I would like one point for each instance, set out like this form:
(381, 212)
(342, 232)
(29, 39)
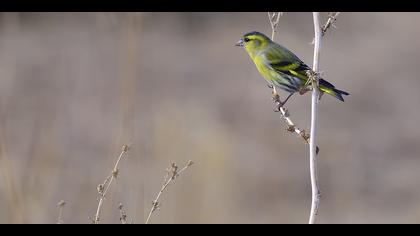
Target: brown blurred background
(75, 87)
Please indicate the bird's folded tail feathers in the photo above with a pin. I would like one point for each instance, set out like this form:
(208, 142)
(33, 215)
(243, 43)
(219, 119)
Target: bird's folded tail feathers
(327, 87)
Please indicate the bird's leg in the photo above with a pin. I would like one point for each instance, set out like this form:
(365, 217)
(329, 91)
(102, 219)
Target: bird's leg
(276, 98)
(287, 99)
(280, 104)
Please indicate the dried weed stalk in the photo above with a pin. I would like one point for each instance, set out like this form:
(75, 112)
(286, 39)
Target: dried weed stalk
(171, 174)
(103, 188)
(60, 205)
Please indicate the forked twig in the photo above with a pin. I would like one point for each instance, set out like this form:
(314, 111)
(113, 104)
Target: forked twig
(103, 188)
(274, 19)
(171, 174)
(332, 17)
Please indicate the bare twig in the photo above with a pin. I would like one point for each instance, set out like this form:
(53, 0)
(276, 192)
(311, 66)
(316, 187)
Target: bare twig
(274, 19)
(123, 214)
(103, 188)
(60, 205)
(291, 127)
(171, 174)
(314, 117)
(332, 17)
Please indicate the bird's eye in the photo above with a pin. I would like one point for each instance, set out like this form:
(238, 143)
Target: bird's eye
(247, 39)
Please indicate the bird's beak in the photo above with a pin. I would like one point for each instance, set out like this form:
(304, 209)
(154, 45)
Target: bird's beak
(240, 43)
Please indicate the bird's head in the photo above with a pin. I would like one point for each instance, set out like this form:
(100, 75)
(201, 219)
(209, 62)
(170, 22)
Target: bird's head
(253, 42)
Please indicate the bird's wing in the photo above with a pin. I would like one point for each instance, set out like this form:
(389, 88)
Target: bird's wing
(283, 61)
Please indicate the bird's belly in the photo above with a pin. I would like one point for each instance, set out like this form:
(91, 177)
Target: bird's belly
(269, 75)
(285, 82)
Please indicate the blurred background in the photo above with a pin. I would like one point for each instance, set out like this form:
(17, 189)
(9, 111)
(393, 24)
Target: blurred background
(75, 87)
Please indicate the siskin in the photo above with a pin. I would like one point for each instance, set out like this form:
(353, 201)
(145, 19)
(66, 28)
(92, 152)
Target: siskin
(281, 68)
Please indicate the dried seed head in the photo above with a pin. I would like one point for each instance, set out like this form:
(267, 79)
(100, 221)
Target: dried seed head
(276, 97)
(174, 170)
(155, 206)
(291, 128)
(115, 173)
(305, 136)
(61, 203)
(100, 188)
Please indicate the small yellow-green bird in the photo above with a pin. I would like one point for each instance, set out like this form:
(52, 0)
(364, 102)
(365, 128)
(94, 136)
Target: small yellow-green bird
(280, 67)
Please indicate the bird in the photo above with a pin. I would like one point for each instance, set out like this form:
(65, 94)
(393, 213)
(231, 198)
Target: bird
(281, 68)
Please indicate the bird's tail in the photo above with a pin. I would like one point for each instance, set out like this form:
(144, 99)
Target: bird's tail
(327, 87)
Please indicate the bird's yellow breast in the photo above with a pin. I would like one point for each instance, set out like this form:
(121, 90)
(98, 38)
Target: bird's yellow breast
(264, 70)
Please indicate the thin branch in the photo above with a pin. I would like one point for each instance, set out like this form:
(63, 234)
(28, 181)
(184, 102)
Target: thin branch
(60, 205)
(332, 17)
(314, 118)
(171, 174)
(103, 188)
(274, 19)
(291, 127)
(285, 115)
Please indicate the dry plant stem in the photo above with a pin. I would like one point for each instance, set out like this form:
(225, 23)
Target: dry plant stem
(60, 205)
(291, 127)
(172, 174)
(103, 188)
(332, 17)
(274, 19)
(330, 22)
(314, 117)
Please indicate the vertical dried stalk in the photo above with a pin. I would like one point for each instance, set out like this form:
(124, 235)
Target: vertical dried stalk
(314, 117)
(172, 174)
(60, 205)
(313, 76)
(103, 188)
(274, 19)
